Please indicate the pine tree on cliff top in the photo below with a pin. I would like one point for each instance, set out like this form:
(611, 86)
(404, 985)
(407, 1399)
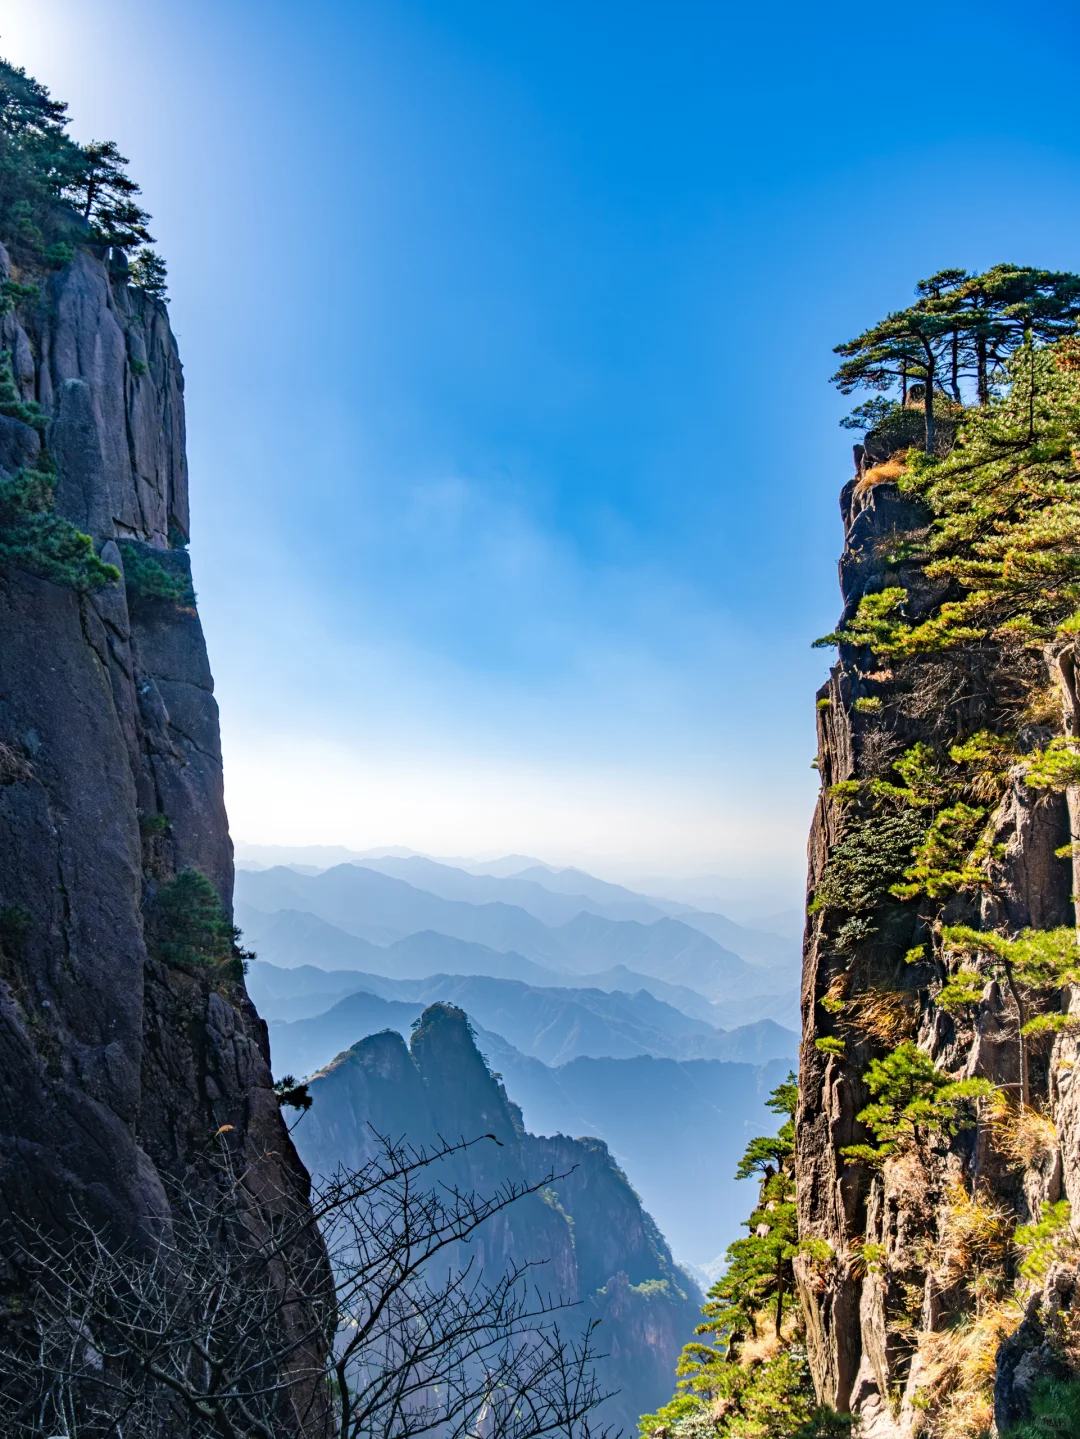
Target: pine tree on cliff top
(962, 327)
(49, 183)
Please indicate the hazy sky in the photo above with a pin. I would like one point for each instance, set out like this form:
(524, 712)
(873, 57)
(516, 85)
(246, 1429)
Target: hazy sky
(507, 331)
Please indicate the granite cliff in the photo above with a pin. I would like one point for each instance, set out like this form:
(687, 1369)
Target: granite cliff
(124, 1078)
(932, 1305)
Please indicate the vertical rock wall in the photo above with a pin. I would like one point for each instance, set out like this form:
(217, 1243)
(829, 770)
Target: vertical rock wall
(116, 1073)
(868, 1318)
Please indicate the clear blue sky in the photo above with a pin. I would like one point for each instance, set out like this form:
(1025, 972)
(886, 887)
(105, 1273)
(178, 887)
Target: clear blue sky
(507, 328)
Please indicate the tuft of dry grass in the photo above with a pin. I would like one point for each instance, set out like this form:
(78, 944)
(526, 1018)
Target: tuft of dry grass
(960, 1363)
(13, 767)
(1043, 705)
(1020, 1134)
(766, 1345)
(890, 469)
(888, 1016)
(974, 1236)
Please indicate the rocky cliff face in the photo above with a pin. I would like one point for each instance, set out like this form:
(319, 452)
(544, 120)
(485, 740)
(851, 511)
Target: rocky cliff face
(597, 1246)
(901, 1285)
(116, 1071)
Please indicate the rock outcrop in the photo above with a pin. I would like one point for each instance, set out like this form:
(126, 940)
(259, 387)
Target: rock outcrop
(597, 1247)
(883, 1309)
(120, 1077)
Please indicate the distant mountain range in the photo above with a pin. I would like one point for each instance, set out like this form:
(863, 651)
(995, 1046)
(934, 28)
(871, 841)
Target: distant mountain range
(554, 1025)
(555, 896)
(366, 904)
(655, 1027)
(677, 1125)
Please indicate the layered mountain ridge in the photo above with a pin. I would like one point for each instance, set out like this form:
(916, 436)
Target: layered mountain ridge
(596, 1246)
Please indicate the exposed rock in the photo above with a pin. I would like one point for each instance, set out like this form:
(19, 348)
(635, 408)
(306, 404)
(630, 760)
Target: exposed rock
(864, 1322)
(115, 1072)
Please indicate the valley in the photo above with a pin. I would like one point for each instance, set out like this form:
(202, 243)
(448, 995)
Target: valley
(576, 990)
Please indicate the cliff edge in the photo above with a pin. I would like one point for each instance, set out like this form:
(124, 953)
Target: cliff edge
(126, 1074)
(938, 1133)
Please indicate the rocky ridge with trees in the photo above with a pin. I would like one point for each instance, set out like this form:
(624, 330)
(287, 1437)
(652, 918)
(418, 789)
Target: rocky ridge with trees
(937, 1149)
(921, 1203)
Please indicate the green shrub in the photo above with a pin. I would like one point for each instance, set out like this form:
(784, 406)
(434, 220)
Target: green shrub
(872, 855)
(35, 539)
(830, 1045)
(12, 403)
(154, 824)
(147, 581)
(148, 273)
(187, 927)
(912, 1098)
(14, 928)
(1055, 1411)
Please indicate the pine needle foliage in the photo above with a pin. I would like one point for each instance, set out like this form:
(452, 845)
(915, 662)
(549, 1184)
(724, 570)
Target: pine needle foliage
(187, 927)
(912, 1100)
(1006, 527)
(38, 541)
(147, 581)
(55, 193)
(868, 860)
(752, 1381)
(1055, 1411)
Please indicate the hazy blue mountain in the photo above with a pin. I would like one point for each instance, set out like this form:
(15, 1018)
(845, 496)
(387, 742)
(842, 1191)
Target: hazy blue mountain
(552, 907)
(762, 944)
(677, 1127)
(302, 991)
(289, 938)
(353, 897)
(555, 896)
(598, 1247)
(359, 900)
(668, 949)
(577, 881)
(553, 1025)
(754, 945)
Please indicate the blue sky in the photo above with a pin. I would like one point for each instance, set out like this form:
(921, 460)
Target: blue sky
(507, 330)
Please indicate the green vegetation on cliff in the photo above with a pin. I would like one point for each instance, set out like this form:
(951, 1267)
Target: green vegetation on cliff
(35, 539)
(752, 1381)
(951, 747)
(187, 927)
(55, 193)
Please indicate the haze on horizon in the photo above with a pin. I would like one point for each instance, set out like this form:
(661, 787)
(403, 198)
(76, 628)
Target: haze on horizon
(507, 335)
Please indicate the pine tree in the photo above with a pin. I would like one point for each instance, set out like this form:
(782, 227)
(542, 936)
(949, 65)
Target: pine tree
(912, 1098)
(105, 195)
(907, 345)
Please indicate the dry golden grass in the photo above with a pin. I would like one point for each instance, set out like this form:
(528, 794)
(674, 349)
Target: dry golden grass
(766, 1345)
(974, 1237)
(1021, 1134)
(889, 1016)
(832, 1001)
(890, 469)
(1043, 706)
(958, 1387)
